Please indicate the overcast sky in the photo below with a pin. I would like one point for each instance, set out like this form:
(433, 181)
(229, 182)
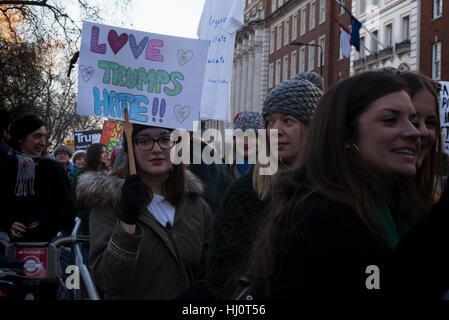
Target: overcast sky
(171, 17)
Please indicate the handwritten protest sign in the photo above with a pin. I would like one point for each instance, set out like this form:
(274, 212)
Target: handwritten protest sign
(218, 24)
(112, 135)
(444, 114)
(158, 78)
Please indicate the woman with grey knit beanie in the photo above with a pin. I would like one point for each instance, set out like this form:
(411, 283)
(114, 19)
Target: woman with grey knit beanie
(288, 108)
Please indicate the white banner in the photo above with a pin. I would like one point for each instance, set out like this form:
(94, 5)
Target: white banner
(158, 78)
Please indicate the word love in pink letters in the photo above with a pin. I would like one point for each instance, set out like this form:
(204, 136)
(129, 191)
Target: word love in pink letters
(117, 42)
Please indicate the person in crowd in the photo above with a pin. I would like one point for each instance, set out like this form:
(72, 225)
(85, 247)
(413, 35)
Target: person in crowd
(214, 177)
(245, 120)
(79, 162)
(288, 108)
(117, 157)
(5, 122)
(37, 201)
(96, 157)
(424, 96)
(330, 231)
(63, 154)
(150, 230)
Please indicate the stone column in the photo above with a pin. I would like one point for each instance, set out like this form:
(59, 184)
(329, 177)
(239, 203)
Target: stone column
(250, 83)
(244, 86)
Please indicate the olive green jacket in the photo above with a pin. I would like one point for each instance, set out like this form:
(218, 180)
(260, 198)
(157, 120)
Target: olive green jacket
(155, 262)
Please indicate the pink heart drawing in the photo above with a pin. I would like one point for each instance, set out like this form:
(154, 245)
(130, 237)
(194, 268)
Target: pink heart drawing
(117, 42)
(86, 72)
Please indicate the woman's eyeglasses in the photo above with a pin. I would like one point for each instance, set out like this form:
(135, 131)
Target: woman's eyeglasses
(146, 144)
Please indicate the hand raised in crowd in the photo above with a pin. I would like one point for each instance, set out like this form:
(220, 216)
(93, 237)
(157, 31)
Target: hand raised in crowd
(18, 229)
(133, 199)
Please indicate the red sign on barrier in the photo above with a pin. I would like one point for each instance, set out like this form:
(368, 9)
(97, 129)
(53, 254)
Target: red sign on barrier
(35, 261)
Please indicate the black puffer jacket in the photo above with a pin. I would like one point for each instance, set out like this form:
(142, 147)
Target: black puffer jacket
(235, 226)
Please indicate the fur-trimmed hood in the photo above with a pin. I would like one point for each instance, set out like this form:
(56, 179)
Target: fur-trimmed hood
(104, 190)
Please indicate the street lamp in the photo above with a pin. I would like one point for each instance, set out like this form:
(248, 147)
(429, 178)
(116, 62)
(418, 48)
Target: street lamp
(298, 43)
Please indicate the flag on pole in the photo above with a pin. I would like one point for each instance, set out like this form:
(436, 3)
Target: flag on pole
(355, 28)
(345, 43)
(345, 37)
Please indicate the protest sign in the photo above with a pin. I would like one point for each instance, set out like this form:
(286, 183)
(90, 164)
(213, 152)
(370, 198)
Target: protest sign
(83, 139)
(112, 135)
(444, 114)
(158, 78)
(218, 24)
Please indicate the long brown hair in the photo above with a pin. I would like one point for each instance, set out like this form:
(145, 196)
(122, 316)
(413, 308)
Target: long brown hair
(328, 169)
(93, 161)
(432, 165)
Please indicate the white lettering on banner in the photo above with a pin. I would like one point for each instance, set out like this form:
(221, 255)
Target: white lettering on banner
(444, 114)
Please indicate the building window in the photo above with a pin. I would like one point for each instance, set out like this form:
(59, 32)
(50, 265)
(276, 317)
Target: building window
(362, 48)
(302, 59)
(279, 38)
(273, 6)
(280, 3)
(311, 62)
(285, 68)
(293, 65)
(340, 51)
(362, 6)
(437, 8)
(389, 35)
(322, 11)
(295, 26)
(286, 32)
(322, 50)
(436, 61)
(312, 15)
(374, 42)
(376, 3)
(405, 28)
(341, 8)
(272, 36)
(277, 80)
(302, 29)
(271, 75)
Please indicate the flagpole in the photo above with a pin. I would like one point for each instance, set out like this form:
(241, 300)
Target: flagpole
(364, 28)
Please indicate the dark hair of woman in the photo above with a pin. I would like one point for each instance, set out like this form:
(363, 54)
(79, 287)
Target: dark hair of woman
(329, 169)
(93, 158)
(432, 164)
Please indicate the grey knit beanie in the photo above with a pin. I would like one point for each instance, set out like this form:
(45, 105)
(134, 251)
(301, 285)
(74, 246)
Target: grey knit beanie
(249, 120)
(313, 77)
(63, 149)
(297, 98)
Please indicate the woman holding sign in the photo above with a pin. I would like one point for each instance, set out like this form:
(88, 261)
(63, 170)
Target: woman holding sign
(149, 231)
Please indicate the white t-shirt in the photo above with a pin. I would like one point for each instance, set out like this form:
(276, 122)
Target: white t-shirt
(162, 210)
(219, 21)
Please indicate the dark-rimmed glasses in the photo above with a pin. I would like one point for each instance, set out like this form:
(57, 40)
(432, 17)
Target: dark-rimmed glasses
(146, 143)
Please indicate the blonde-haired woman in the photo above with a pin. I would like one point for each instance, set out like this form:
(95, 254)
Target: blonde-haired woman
(288, 109)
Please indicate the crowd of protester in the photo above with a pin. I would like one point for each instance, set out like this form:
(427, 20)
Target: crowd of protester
(361, 182)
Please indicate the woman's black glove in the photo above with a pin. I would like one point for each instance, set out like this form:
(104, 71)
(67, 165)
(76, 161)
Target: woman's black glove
(133, 199)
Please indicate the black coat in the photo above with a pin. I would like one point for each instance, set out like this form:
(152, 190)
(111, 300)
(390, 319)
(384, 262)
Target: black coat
(327, 257)
(52, 204)
(235, 226)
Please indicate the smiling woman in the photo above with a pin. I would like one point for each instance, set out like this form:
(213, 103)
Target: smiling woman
(35, 193)
(334, 219)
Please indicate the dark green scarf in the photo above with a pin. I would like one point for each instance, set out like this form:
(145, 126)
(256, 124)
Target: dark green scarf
(392, 230)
